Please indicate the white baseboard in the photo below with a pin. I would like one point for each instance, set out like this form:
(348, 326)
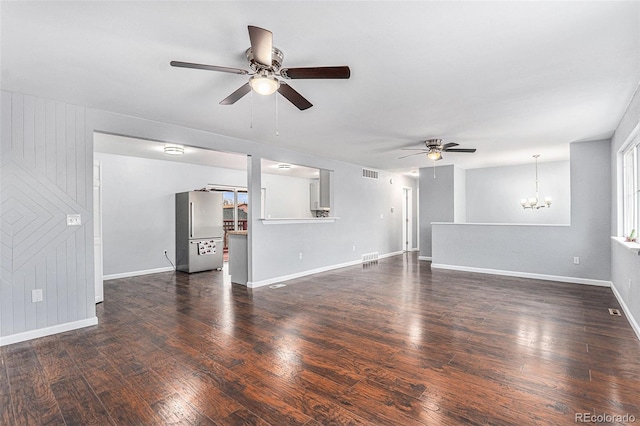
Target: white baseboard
(627, 311)
(136, 273)
(424, 258)
(560, 278)
(47, 331)
(255, 284)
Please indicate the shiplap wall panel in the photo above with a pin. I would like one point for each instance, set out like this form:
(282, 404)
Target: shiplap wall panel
(45, 158)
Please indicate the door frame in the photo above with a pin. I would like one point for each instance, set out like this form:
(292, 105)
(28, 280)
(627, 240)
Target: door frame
(407, 219)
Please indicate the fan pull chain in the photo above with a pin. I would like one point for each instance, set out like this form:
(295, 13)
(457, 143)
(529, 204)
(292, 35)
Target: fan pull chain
(434, 169)
(277, 130)
(251, 95)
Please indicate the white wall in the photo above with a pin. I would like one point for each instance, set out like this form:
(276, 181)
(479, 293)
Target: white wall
(437, 202)
(138, 215)
(46, 175)
(493, 194)
(625, 264)
(286, 196)
(543, 249)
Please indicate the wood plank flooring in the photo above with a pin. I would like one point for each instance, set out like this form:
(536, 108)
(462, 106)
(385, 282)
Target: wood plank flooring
(386, 344)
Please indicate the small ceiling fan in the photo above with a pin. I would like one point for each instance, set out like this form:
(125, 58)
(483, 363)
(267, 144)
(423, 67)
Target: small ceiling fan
(268, 76)
(435, 148)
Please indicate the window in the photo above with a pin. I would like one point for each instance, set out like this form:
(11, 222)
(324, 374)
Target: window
(631, 188)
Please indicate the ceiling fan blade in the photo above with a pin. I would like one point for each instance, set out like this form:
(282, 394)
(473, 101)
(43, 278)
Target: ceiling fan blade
(207, 67)
(460, 150)
(415, 153)
(294, 97)
(261, 45)
(316, 72)
(415, 149)
(235, 96)
(449, 145)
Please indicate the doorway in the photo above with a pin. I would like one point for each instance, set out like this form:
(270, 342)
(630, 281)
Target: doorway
(407, 222)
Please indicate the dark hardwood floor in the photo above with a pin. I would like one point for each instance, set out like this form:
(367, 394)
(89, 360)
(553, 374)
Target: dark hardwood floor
(388, 343)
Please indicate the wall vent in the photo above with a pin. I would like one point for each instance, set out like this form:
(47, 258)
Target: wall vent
(369, 174)
(370, 257)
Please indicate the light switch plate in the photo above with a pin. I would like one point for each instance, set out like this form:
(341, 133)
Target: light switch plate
(36, 295)
(73, 220)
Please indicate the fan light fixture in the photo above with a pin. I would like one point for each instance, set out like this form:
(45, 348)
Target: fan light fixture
(533, 203)
(434, 155)
(173, 149)
(264, 84)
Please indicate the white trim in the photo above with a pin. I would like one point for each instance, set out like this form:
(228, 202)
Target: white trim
(574, 280)
(424, 258)
(627, 311)
(290, 220)
(137, 273)
(47, 331)
(634, 247)
(275, 280)
(414, 249)
(537, 225)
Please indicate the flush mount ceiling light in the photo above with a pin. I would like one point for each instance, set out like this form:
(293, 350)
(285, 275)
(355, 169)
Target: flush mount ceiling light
(533, 203)
(264, 84)
(173, 149)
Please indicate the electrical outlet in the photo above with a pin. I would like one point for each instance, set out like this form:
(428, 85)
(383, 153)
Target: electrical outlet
(576, 260)
(36, 295)
(629, 282)
(354, 247)
(381, 216)
(300, 255)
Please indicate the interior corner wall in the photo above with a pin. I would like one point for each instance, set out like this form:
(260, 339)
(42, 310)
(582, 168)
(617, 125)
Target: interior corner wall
(459, 194)
(625, 264)
(46, 174)
(437, 202)
(543, 250)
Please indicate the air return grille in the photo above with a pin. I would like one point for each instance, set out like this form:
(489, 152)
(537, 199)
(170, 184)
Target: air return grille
(370, 257)
(369, 174)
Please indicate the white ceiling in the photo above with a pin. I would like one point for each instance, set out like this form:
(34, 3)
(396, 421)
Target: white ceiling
(511, 79)
(136, 147)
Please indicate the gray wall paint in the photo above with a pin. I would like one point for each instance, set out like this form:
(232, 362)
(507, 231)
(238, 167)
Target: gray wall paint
(63, 262)
(46, 174)
(138, 218)
(494, 193)
(274, 249)
(542, 249)
(286, 196)
(625, 264)
(437, 202)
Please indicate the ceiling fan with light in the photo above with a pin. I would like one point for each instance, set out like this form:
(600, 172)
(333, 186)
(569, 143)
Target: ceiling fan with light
(268, 76)
(435, 148)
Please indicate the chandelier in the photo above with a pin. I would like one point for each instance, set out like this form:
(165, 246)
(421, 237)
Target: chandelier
(534, 203)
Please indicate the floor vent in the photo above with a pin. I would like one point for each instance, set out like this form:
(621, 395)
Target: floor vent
(277, 285)
(369, 174)
(370, 257)
(615, 312)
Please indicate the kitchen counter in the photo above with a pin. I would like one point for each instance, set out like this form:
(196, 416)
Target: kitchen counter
(238, 264)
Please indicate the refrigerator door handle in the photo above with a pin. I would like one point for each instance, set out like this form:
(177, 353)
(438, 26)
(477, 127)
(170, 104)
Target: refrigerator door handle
(191, 217)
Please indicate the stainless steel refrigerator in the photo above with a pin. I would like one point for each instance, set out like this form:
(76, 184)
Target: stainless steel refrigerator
(199, 231)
